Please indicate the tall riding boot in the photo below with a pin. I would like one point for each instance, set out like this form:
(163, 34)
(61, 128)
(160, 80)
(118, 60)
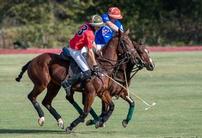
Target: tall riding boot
(67, 84)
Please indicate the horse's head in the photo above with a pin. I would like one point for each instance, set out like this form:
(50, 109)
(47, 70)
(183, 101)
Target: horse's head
(127, 48)
(146, 60)
(119, 50)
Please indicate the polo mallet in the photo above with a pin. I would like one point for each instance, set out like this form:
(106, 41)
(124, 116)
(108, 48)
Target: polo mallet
(149, 105)
(146, 103)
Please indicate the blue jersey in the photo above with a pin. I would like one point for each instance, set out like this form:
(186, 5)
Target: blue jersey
(103, 35)
(105, 18)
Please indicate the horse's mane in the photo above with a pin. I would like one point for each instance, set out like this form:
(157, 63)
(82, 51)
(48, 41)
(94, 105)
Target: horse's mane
(138, 46)
(110, 41)
(100, 56)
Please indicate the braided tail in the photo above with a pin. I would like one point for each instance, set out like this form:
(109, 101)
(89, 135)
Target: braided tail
(24, 68)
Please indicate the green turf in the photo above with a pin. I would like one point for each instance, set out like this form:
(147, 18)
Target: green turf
(175, 85)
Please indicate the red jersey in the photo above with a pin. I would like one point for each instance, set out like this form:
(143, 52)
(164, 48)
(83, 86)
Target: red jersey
(83, 38)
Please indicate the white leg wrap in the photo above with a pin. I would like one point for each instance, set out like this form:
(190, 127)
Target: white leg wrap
(60, 123)
(41, 121)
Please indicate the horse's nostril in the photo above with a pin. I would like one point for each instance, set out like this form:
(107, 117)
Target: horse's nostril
(151, 66)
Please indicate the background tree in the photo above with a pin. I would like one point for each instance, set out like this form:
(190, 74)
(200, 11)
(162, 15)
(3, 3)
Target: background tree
(50, 23)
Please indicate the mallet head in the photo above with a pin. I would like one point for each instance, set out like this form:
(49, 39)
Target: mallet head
(153, 104)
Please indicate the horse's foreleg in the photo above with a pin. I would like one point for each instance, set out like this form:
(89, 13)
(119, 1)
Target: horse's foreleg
(104, 110)
(32, 97)
(92, 112)
(130, 110)
(71, 100)
(90, 96)
(107, 110)
(52, 91)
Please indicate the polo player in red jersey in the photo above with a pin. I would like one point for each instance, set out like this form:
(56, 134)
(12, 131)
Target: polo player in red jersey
(83, 38)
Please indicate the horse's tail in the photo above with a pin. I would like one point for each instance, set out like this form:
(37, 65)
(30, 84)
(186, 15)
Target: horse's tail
(24, 68)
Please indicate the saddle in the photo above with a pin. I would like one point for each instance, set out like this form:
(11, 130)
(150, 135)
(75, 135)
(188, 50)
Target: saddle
(73, 68)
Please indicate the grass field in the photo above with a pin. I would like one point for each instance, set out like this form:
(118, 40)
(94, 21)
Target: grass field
(175, 85)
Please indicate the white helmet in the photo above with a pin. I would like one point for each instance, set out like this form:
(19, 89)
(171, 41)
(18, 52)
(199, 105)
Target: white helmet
(96, 20)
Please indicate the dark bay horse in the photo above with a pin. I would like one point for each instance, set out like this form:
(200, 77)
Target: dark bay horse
(48, 71)
(121, 81)
(122, 51)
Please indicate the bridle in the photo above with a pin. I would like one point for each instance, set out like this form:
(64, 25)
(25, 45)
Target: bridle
(137, 65)
(123, 57)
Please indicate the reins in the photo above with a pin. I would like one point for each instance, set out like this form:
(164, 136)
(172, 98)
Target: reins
(115, 63)
(124, 57)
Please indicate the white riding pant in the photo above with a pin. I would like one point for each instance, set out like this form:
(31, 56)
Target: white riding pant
(79, 59)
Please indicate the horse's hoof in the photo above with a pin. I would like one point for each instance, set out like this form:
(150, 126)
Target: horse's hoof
(41, 121)
(99, 124)
(68, 130)
(90, 122)
(60, 123)
(124, 123)
(102, 125)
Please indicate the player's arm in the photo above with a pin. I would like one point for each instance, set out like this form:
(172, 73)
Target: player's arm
(109, 23)
(90, 45)
(112, 25)
(92, 56)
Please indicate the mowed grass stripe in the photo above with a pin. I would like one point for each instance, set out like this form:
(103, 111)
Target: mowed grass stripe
(175, 85)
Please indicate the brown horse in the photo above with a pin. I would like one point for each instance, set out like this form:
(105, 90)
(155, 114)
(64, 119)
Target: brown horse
(121, 80)
(101, 84)
(48, 71)
(116, 90)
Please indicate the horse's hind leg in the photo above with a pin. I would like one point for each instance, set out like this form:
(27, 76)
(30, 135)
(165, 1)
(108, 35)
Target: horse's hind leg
(32, 97)
(52, 91)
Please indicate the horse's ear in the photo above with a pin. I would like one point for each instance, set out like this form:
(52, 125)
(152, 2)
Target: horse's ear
(134, 43)
(127, 32)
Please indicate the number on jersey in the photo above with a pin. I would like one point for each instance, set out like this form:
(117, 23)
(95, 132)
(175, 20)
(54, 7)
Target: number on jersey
(82, 30)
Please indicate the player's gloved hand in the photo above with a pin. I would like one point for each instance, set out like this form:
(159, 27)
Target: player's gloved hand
(95, 69)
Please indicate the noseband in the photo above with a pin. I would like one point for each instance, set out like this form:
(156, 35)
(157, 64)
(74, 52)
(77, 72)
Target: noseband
(138, 64)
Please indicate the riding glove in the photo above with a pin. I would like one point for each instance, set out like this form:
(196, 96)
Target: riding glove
(95, 69)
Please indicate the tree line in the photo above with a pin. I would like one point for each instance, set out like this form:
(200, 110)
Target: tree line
(51, 23)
